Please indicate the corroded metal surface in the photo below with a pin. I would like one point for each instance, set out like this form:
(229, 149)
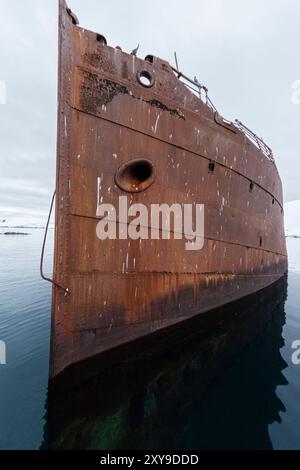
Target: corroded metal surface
(159, 369)
(123, 289)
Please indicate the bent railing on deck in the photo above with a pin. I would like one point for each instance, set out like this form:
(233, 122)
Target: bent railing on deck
(257, 141)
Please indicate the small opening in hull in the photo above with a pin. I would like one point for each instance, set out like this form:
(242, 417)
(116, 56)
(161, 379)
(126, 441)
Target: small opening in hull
(145, 78)
(135, 175)
(149, 58)
(211, 167)
(251, 186)
(101, 39)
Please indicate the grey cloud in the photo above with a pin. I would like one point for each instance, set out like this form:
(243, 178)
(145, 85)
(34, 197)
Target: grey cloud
(245, 52)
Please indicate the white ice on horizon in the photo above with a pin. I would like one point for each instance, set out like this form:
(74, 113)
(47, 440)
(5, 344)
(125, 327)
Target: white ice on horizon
(24, 221)
(292, 218)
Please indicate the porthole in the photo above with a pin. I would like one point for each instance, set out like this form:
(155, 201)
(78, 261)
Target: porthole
(260, 241)
(273, 201)
(145, 78)
(101, 39)
(135, 176)
(149, 58)
(211, 167)
(251, 186)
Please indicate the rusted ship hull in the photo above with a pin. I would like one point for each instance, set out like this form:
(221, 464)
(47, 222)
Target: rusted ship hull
(246, 332)
(122, 289)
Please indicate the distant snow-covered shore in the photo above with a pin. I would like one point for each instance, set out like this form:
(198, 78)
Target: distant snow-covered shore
(25, 221)
(292, 218)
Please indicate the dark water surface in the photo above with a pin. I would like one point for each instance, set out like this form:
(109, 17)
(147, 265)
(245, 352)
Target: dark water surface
(231, 384)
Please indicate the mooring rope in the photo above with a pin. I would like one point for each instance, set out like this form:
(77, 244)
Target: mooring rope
(43, 251)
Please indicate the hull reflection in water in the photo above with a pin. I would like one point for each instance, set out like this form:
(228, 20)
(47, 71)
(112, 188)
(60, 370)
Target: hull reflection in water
(206, 384)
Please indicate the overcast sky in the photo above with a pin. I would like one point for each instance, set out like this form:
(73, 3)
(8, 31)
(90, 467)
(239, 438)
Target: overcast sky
(246, 52)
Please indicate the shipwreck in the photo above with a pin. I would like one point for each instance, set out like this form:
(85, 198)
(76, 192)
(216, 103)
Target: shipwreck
(141, 129)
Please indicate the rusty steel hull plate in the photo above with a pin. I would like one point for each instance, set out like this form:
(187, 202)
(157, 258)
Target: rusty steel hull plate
(121, 290)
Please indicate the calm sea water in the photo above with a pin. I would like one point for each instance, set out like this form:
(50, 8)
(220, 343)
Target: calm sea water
(187, 402)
